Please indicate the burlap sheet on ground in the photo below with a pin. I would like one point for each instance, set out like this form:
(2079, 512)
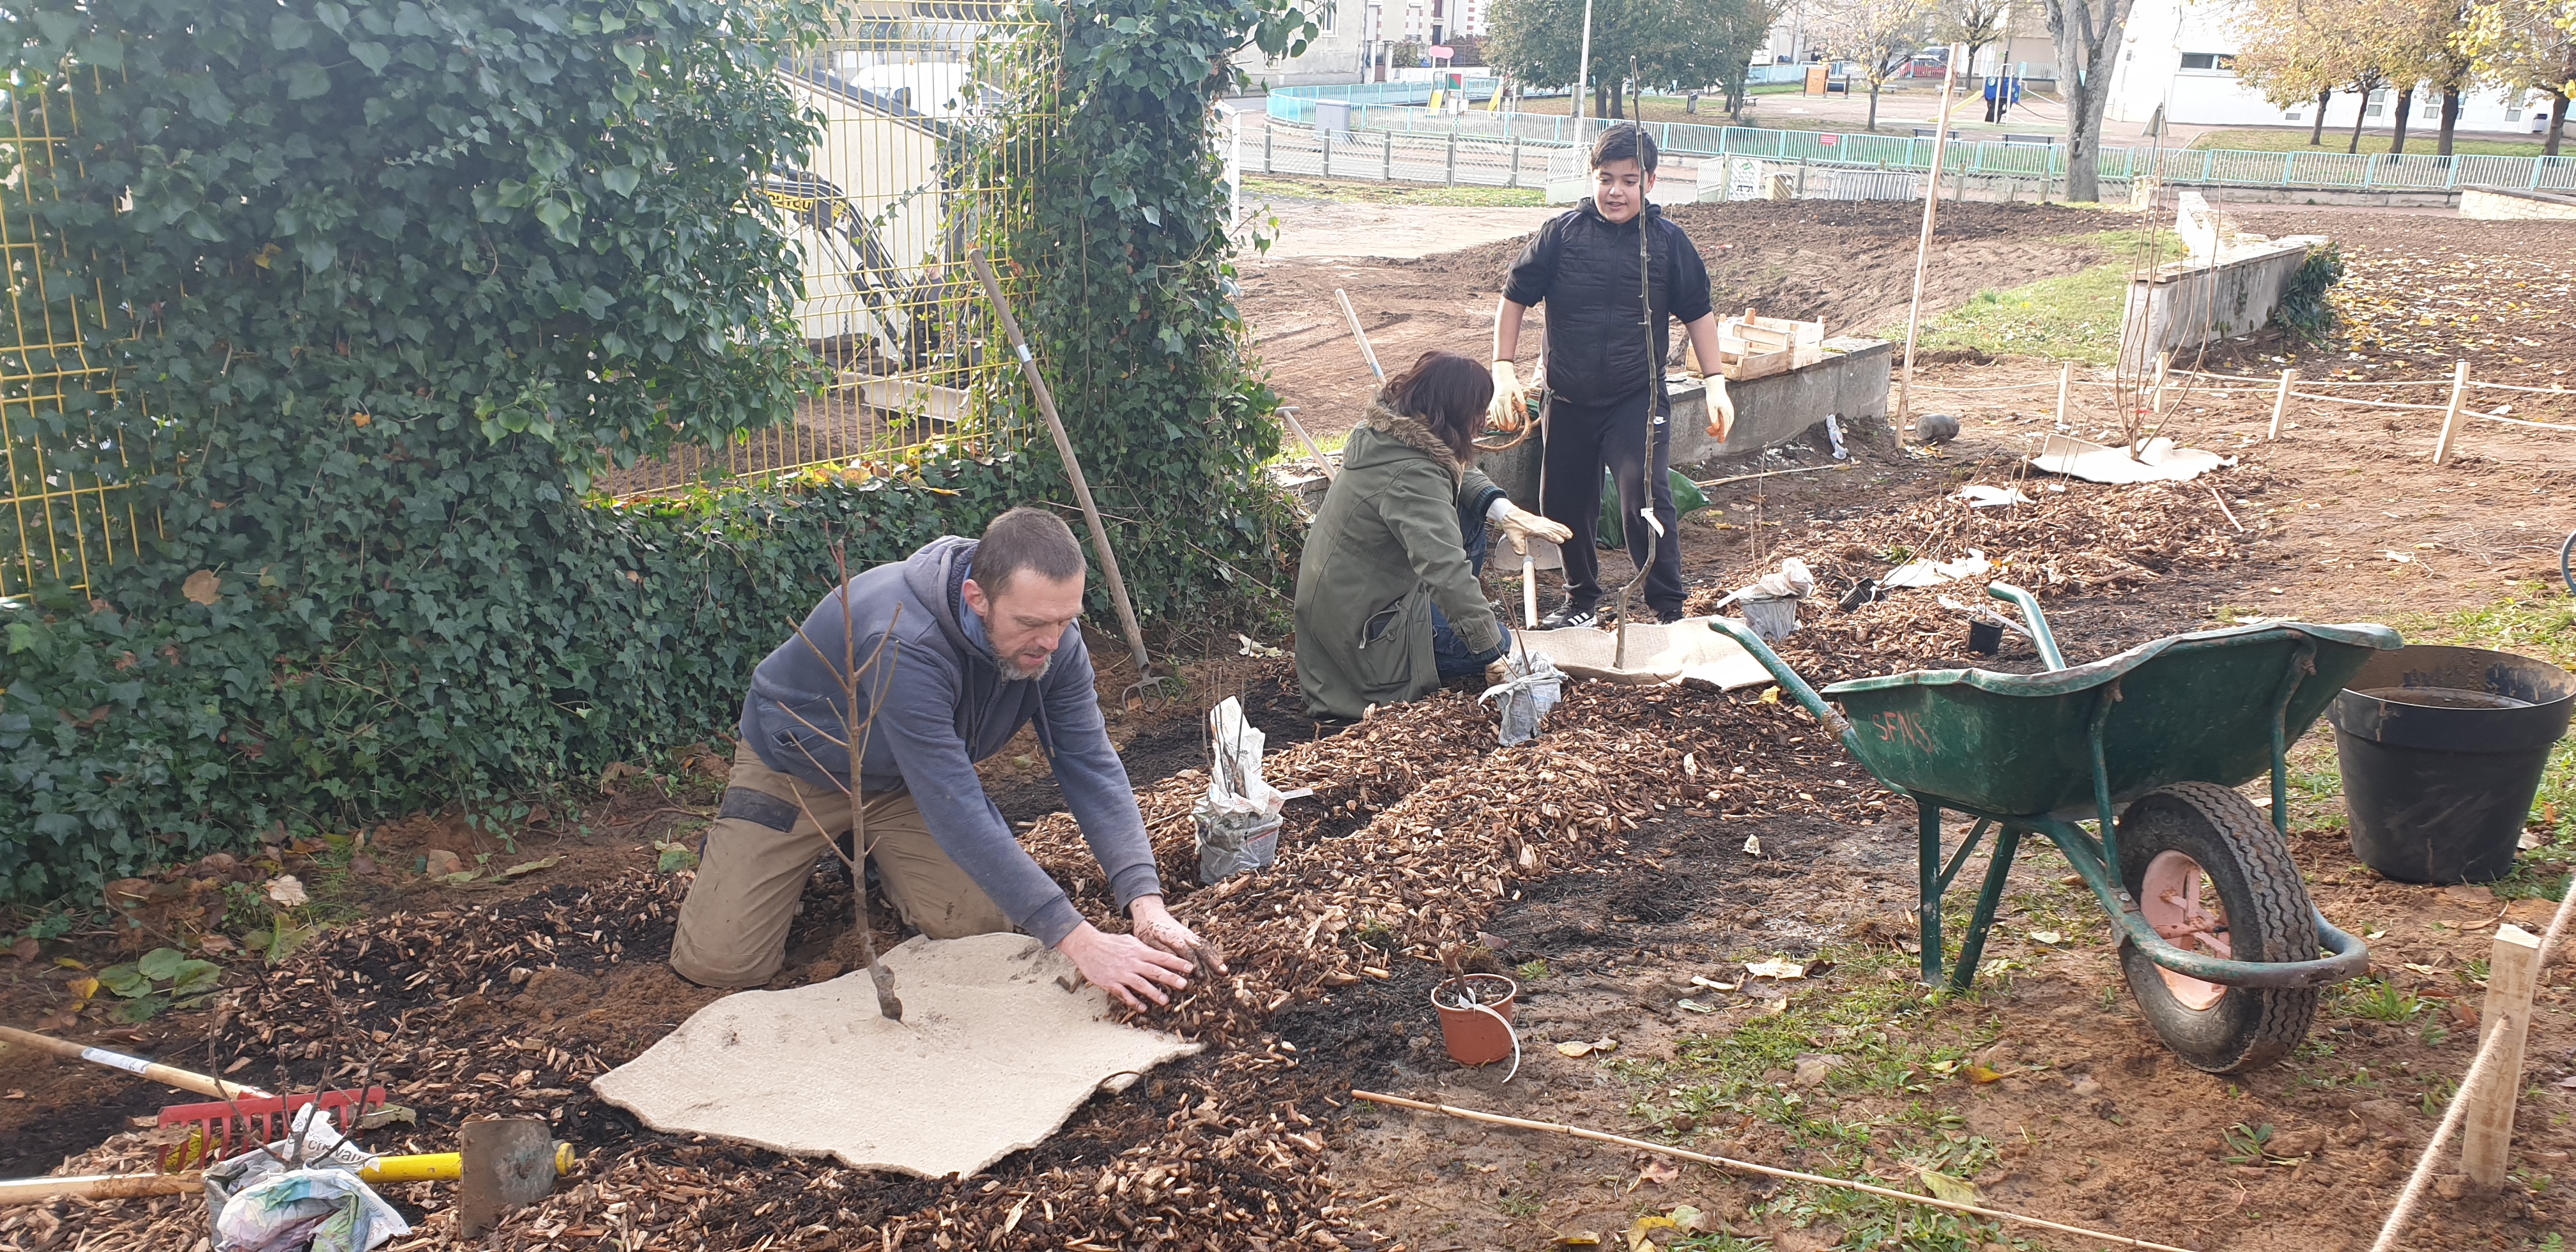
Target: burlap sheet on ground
(1686, 650)
(991, 1056)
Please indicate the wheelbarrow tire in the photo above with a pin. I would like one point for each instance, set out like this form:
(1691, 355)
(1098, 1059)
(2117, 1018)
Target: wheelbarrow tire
(2269, 918)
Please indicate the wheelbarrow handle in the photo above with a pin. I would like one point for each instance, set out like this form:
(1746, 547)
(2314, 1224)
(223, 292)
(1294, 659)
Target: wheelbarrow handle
(1797, 687)
(2040, 635)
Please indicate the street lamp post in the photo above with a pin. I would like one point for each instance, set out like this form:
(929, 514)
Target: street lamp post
(1583, 72)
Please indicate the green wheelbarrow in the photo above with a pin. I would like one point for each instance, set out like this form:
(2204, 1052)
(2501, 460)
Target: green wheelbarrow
(2220, 944)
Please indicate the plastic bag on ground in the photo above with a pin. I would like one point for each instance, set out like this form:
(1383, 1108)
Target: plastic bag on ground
(1930, 573)
(1771, 601)
(269, 1202)
(1533, 685)
(1238, 818)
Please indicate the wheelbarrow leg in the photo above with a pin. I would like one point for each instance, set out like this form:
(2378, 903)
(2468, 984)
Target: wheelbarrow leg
(1928, 866)
(2007, 843)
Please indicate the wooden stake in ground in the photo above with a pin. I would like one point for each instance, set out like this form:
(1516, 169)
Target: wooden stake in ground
(1923, 246)
(2487, 1141)
(1748, 1167)
(1072, 465)
(2451, 418)
(1360, 334)
(2281, 403)
(2065, 383)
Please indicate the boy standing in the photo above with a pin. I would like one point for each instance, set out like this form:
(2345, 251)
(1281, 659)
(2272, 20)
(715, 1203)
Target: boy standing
(1605, 385)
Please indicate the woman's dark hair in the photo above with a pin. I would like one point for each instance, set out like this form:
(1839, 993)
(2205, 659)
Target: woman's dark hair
(1449, 393)
(1625, 143)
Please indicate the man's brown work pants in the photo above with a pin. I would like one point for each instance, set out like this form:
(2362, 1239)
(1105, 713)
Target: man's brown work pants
(770, 830)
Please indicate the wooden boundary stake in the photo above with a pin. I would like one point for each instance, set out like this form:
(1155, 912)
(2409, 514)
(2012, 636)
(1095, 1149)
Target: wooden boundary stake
(2486, 1142)
(2281, 402)
(1748, 1167)
(2065, 381)
(2450, 419)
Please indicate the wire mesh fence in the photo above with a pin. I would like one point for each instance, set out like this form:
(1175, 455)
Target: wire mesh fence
(70, 486)
(924, 138)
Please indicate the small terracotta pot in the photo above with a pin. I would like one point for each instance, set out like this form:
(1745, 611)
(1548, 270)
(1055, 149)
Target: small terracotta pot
(1473, 1035)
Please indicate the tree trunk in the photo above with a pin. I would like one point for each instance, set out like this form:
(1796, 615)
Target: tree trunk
(2317, 133)
(2405, 105)
(2450, 118)
(1873, 110)
(2085, 57)
(1600, 100)
(2557, 123)
(2360, 114)
(1690, 104)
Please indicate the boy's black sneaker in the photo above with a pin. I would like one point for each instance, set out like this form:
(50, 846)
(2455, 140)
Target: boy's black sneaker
(1570, 617)
(1670, 616)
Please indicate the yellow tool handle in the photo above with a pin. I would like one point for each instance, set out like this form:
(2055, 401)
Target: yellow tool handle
(439, 1166)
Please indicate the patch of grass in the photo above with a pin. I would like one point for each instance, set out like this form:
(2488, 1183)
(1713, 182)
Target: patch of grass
(1287, 187)
(1519, 1206)
(1531, 971)
(2376, 999)
(2420, 141)
(2072, 317)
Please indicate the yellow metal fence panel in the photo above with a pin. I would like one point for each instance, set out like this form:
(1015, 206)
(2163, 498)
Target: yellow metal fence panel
(924, 137)
(70, 495)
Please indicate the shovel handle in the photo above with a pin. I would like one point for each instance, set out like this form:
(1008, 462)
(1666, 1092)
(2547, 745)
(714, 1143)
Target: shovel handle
(185, 1080)
(97, 1187)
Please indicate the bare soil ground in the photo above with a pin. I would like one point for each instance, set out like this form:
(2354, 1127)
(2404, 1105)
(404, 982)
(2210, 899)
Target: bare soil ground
(1608, 865)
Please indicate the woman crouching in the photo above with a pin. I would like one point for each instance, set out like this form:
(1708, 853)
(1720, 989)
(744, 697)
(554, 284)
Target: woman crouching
(1389, 602)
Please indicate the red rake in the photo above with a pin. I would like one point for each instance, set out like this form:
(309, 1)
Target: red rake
(261, 1119)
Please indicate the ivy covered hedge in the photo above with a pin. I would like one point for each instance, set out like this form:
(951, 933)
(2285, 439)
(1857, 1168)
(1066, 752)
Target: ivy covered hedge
(391, 282)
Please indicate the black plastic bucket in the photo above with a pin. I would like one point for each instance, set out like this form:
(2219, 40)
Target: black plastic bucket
(2441, 750)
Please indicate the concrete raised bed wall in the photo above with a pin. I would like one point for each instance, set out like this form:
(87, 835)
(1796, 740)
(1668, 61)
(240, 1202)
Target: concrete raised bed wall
(1850, 383)
(2190, 303)
(2498, 206)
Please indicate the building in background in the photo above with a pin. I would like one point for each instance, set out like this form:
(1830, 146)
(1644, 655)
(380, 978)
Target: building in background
(2178, 56)
(1345, 37)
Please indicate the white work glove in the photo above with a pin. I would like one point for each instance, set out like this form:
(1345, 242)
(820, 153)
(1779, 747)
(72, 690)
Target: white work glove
(1518, 524)
(1509, 411)
(1498, 671)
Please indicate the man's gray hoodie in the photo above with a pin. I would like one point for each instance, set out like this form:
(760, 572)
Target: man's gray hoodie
(943, 706)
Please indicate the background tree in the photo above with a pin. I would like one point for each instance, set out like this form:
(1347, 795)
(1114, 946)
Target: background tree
(2087, 34)
(1880, 36)
(2291, 56)
(2527, 45)
(1740, 30)
(1977, 24)
(2448, 67)
(1540, 42)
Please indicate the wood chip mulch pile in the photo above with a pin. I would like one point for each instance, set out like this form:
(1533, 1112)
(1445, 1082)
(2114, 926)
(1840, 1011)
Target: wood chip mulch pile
(1421, 828)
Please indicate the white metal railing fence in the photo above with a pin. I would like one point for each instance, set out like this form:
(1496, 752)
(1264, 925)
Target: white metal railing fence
(2015, 157)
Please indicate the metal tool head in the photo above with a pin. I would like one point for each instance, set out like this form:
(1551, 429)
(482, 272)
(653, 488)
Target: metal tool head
(889, 1005)
(1151, 691)
(508, 1164)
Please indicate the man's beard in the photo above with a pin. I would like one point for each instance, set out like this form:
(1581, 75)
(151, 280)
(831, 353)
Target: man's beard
(1013, 671)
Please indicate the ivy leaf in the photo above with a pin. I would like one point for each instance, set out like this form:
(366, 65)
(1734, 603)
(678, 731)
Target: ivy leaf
(306, 80)
(373, 55)
(317, 254)
(125, 981)
(622, 179)
(632, 55)
(288, 32)
(144, 1009)
(160, 964)
(195, 978)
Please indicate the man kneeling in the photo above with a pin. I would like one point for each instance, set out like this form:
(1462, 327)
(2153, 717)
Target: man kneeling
(986, 642)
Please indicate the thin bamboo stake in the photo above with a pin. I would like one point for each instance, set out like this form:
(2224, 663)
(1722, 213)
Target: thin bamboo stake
(1072, 464)
(1747, 1167)
(1746, 478)
(2451, 418)
(2281, 403)
(2065, 383)
(1923, 246)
